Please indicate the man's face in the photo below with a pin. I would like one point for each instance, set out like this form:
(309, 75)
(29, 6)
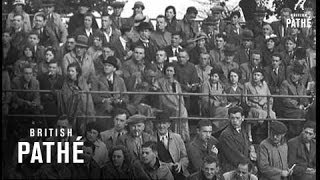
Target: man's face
(71, 44)
(117, 158)
(276, 138)
(138, 10)
(247, 43)
(39, 22)
(236, 119)
(92, 135)
(87, 154)
(220, 42)
(120, 122)
(204, 59)
(257, 77)
(18, 7)
(259, 18)
(6, 38)
(17, 22)
(183, 57)
(161, 23)
(108, 68)
(295, 77)
(201, 42)
(83, 9)
(270, 44)
(161, 57)
(191, 17)
(48, 9)
(308, 134)
(80, 51)
(234, 78)
(205, 133)
(49, 56)
(290, 45)
(276, 61)
(106, 52)
(235, 20)
(229, 58)
(87, 22)
(170, 13)
(28, 53)
(53, 68)
(209, 170)
(33, 39)
(145, 34)
(106, 22)
(147, 155)
(294, 31)
(97, 42)
(163, 127)
(72, 73)
(242, 171)
(256, 59)
(136, 129)
(267, 30)
(176, 40)
(214, 78)
(138, 54)
(170, 72)
(216, 14)
(117, 11)
(285, 16)
(27, 74)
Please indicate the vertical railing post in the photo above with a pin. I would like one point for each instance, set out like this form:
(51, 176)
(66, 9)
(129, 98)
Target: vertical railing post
(179, 119)
(87, 105)
(268, 114)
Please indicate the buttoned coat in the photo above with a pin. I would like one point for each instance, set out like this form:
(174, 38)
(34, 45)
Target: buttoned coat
(109, 138)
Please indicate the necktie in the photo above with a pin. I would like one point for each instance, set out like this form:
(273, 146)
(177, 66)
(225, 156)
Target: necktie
(275, 72)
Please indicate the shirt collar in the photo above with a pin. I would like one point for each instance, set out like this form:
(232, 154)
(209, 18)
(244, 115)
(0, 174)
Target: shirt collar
(165, 136)
(122, 40)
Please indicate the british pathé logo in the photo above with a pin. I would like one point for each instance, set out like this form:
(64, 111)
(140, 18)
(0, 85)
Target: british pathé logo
(299, 21)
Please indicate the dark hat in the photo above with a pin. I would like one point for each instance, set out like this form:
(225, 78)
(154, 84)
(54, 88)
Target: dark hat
(111, 60)
(260, 70)
(93, 125)
(235, 13)
(204, 122)
(137, 118)
(216, 70)
(82, 41)
(162, 116)
(48, 3)
(138, 4)
(85, 3)
(144, 25)
(229, 49)
(217, 9)
(117, 4)
(297, 68)
(247, 35)
(260, 11)
(300, 53)
(278, 127)
(211, 20)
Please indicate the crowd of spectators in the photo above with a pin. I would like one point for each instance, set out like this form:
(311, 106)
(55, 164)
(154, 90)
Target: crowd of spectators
(215, 56)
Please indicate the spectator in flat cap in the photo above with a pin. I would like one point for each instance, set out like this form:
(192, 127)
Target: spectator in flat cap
(217, 18)
(170, 14)
(18, 9)
(202, 145)
(171, 148)
(136, 136)
(93, 135)
(201, 47)
(258, 106)
(302, 152)
(244, 51)
(234, 29)
(273, 153)
(228, 62)
(108, 81)
(117, 21)
(77, 20)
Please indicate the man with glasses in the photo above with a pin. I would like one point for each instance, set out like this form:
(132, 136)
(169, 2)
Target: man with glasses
(302, 152)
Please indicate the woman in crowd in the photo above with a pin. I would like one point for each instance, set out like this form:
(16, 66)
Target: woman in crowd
(119, 165)
(50, 55)
(170, 13)
(28, 58)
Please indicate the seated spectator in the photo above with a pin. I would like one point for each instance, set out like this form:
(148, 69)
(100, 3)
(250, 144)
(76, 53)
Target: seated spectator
(209, 169)
(109, 32)
(292, 107)
(171, 103)
(242, 172)
(228, 62)
(107, 51)
(159, 63)
(243, 53)
(248, 67)
(90, 169)
(119, 166)
(50, 56)
(297, 36)
(26, 59)
(149, 166)
(174, 48)
(288, 54)
(100, 154)
(17, 33)
(201, 47)
(204, 144)
(96, 49)
(19, 9)
(74, 104)
(234, 29)
(170, 147)
(136, 137)
(217, 53)
(170, 14)
(271, 47)
(109, 81)
(235, 87)
(161, 36)
(215, 106)
(302, 153)
(234, 142)
(204, 68)
(273, 153)
(110, 136)
(259, 107)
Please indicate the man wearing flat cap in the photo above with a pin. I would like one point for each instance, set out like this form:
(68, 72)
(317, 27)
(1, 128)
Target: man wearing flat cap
(108, 81)
(136, 136)
(171, 148)
(228, 62)
(244, 51)
(293, 107)
(273, 154)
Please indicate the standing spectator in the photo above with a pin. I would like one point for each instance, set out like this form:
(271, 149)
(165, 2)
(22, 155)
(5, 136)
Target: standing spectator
(171, 148)
(74, 104)
(288, 54)
(170, 14)
(149, 166)
(123, 44)
(136, 137)
(234, 29)
(242, 172)
(228, 62)
(302, 153)
(110, 136)
(67, 47)
(77, 20)
(17, 33)
(119, 166)
(161, 36)
(108, 81)
(280, 27)
(204, 68)
(171, 103)
(244, 52)
(248, 67)
(217, 53)
(188, 26)
(53, 21)
(273, 154)
(204, 144)
(201, 47)
(234, 142)
(110, 33)
(174, 48)
(117, 21)
(50, 55)
(216, 13)
(209, 169)
(19, 9)
(271, 46)
(235, 87)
